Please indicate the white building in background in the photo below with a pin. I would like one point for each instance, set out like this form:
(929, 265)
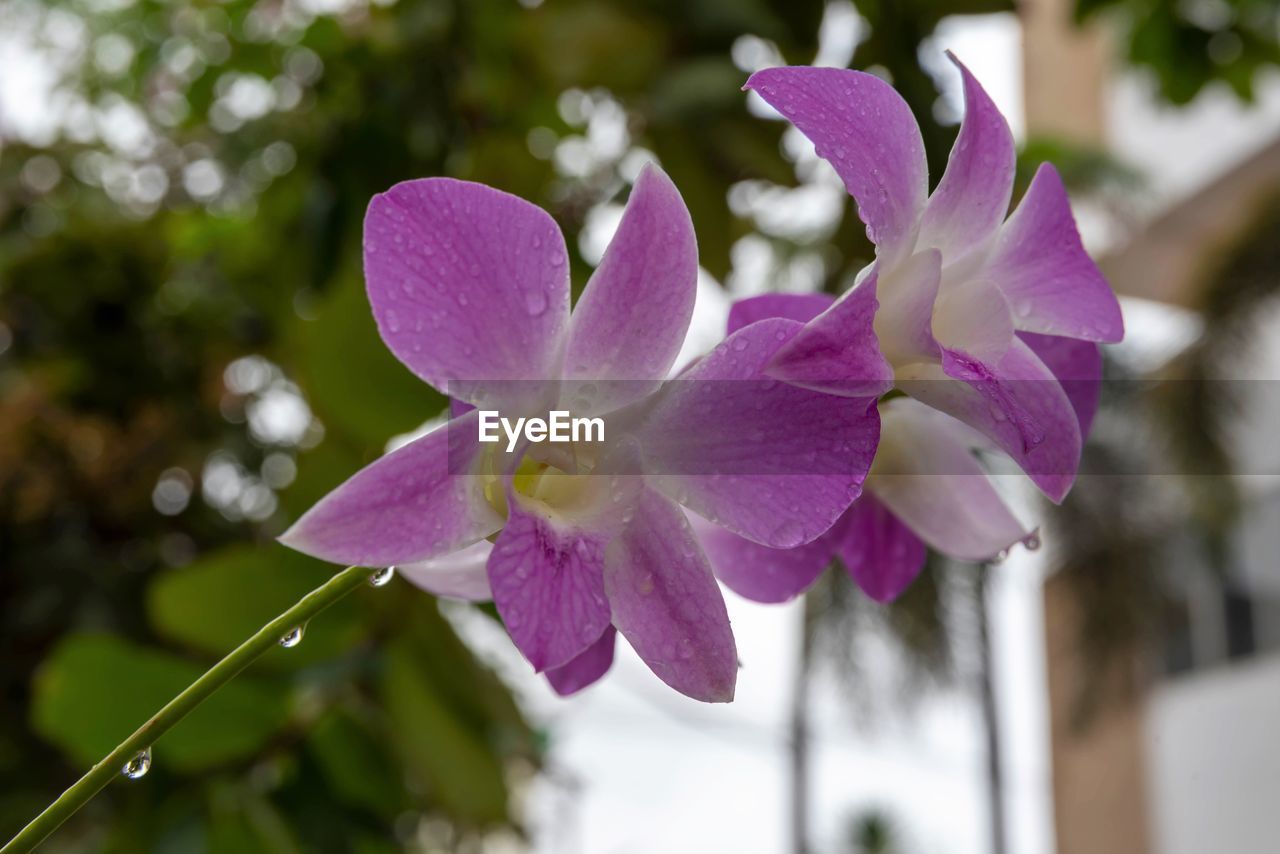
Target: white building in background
(1185, 756)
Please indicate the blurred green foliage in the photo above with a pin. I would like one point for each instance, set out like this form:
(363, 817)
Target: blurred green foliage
(180, 265)
(1189, 44)
(187, 363)
(85, 668)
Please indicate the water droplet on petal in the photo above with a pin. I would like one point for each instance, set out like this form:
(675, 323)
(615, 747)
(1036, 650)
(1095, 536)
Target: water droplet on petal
(137, 767)
(382, 577)
(1000, 557)
(535, 302)
(788, 535)
(292, 638)
(686, 649)
(1032, 541)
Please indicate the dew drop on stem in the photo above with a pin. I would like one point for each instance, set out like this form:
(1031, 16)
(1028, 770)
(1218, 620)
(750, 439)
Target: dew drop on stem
(292, 638)
(382, 577)
(137, 767)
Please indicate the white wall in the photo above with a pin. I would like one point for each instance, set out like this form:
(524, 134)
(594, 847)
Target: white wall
(1213, 754)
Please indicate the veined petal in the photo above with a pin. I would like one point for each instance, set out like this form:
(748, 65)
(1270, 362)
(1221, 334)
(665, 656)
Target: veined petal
(418, 502)
(882, 555)
(863, 128)
(770, 461)
(801, 307)
(1078, 366)
(1041, 266)
(927, 476)
(760, 573)
(630, 321)
(459, 575)
(837, 352)
(972, 198)
(469, 285)
(587, 668)
(548, 584)
(666, 602)
(1016, 402)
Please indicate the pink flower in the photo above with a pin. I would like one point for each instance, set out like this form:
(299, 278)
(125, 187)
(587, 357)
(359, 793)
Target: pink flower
(925, 488)
(470, 289)
(961, 305)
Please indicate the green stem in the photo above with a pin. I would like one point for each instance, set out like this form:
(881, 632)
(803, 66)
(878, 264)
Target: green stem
(266, 638)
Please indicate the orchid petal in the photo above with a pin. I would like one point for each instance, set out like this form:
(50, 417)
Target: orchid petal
(418, 502)
(972, 198)
(801, 307)
(770, 461)
(863, 128)
(882, 555)
(548, 585)
(927, 476)
(459, 575)
(666, 602)
(1050, 281)
(971, 316)
(1016, 402)
(469, 286)
(587, 669)
(630, 321)
(837, 352)
(760, 573)
(1078, 366)
(904, 321)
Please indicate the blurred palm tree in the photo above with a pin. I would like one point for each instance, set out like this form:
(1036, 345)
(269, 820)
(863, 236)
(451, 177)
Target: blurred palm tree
(872, 832)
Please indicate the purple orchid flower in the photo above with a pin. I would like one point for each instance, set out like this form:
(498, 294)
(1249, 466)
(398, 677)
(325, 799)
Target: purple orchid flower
(925, 488)
(470, 289)
(972, 314)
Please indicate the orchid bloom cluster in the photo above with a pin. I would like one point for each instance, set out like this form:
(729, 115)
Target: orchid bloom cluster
(989, 326)
(818, 428)
(470, 289)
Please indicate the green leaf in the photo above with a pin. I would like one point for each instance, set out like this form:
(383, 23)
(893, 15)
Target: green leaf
(219, 600)
(441, 751)
(242, 821)
(357, 765)
(353, 380)
(95, 690)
